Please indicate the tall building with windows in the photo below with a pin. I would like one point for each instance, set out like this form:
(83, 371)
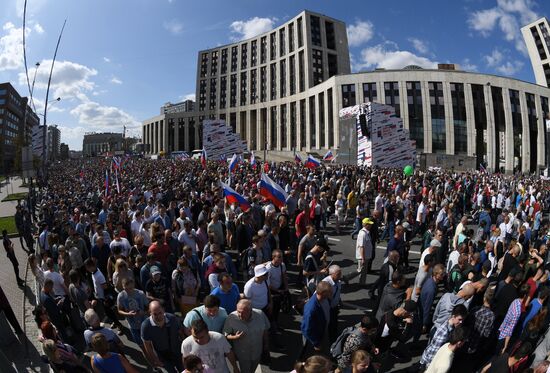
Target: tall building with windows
(282, 91)
(17, 121)
(537, 39)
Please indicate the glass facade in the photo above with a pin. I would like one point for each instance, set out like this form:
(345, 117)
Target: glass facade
(437, 109)
(243, 88)
(500, 127)
(533, 130)
(414, 104)
(516, 124)
(459, 118)
(317, 57)
(348, 95)
(315, 24)
(391, 91)
(273, 80)
(244, 56)
(369, 92)
(480, 123)
(329, 33)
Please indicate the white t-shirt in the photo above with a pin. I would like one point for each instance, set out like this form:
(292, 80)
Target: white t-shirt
(124, 245)
(189, 239)
(211, 354)
(257, 293)
(58, 282)
(442, 360)
(98, 279)
(275, 274)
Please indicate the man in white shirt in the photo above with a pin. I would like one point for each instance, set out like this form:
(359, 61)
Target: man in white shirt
(135, 226)
(334, 277)
(379, 202)
(256, 289)
(278, 283)
(188, 236)
(364, 250)
(59, 288)
(211, 347)
(421, 214)
(121, 242)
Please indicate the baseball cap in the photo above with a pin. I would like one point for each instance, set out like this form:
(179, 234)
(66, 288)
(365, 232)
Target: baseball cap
(155, 270)
(435, 243)
(367, 221)
(260, 270)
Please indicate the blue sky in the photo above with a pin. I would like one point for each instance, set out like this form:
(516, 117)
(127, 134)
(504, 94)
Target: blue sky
(119, 61)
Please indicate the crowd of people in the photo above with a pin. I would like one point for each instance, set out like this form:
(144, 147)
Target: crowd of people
(198, 283)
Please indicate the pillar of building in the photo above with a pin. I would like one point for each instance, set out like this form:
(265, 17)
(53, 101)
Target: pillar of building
(403, 103)
(177, 145)
(426, 117)
(308, 125)
(449, 125)
(509, 132)
(541, 133)
(165, 146)
(470, 120)
(154, 138)
(492, 157)
(525, 135)
(325, 124)
(299, 133)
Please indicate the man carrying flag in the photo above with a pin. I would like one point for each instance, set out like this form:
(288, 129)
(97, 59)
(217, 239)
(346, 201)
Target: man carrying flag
(329, 156)
(312, 162)
(233, 197)
(297, 158)
(203, 158)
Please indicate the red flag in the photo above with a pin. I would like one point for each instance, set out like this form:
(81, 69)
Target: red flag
(266, 167)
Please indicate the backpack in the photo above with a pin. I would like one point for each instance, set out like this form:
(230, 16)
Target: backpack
(337, 348)
(456, 279)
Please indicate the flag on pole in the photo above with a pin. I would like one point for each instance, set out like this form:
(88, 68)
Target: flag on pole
(482, 168)
(233, 197)
(106, 183)
(116, 181)
(203, 158)
(312, 162)
(116, 163)
(253, 160)
(272, 191)
(297, 158)
(233, 163)
(329, 156)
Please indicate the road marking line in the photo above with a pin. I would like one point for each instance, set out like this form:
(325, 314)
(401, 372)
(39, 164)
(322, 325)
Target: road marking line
(334, 239)
(410, 251)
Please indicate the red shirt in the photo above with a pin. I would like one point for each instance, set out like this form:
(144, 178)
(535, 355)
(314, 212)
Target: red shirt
(302, 220)
(161, 252)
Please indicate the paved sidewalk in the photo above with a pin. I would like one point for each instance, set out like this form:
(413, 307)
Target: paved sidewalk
(24, 355)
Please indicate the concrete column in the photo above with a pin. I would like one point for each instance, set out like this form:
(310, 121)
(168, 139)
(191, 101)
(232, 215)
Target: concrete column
(326, 111)
(449, 125)
(426, 117)
(177, 135)
(165, 139)
(491, 132)
(380, 92)
(298, 123)
(308, 127)
(470, 120)
(403, 104)
(525, 135)
(154, 138)
(287, 129)
(509, 134)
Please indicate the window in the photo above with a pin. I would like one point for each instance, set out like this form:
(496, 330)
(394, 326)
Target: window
(263, 84)
(233, 122)
(253, 85)
(291, 38)
(263, 49)
(416, 120)
(2, 92)
(533, 130)
(321, 103)
(204, 64)
(243, 88)
(459, 118)
(212, 103)
(283, 126)
(330, 119)
(202, 95)
(332, 60)
(223, 92)
(437, 108)
(317, 57)
(292, 126)
(315, 24)
(517, 127)
(391, 91)
(234, 52)
(500, 126)
(273, 128)
(282, 50)
(272, 49)
(302, 124)
(312, 123)
(214, 64)
(301, 78)
(253, 53)
(292, 74)
(369, 92)
(233, 91)
(348, 95)
(282, 76)
(273, 80)
(244, 56)
(329, 32)
(300, 33)
(480, 119)
(224, 62)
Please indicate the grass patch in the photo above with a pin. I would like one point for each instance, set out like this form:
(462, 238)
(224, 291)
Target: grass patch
(15, 196)
(8, 223)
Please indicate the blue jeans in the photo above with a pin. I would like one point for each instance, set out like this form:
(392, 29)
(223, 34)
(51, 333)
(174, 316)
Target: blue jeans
(357, 227)
(136, 336)
(389, 231)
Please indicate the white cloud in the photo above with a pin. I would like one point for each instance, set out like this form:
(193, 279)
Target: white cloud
(11, 52)
(116, 80)
(38, 28)
(467, 65)
(69, 79)
(106, 59)
(189, 96)
(99, 117)
(509, 15)
(53, 106)
(33, 7)
(494, 58)
(419, 45)
(359, 33)
(388, 57)
(510, 68)
(173, 26)
(251, 27)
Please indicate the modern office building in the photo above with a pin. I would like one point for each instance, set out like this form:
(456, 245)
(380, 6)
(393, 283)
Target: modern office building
(63, 151)
(54, 143)
(17, 121)
(282, 91)
(537, 39)
(95, 144)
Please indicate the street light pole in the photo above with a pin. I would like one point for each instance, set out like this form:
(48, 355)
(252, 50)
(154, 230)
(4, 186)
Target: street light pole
(548, 146)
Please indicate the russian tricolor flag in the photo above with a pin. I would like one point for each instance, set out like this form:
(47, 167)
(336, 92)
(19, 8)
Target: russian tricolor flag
(107, 182)
(233, 163)
(272, 191)
(252, 160)
(329, 156)
(233, 197)
(312, 162)
(203, 158)
(297, 158)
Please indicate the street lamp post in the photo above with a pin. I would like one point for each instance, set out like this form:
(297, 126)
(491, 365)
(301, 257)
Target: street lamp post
(548, 145)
